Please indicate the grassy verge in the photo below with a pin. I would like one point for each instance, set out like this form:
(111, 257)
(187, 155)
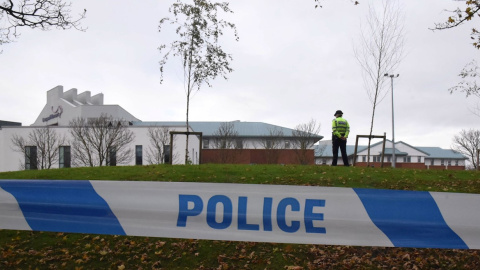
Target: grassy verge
(385, 178)
(42, 250)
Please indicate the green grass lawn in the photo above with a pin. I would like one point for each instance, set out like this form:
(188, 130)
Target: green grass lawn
(42, 250)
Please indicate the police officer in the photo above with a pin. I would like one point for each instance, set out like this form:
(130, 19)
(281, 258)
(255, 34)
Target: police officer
(340, 130)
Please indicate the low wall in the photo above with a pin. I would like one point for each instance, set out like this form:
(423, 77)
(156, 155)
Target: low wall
(257, 156)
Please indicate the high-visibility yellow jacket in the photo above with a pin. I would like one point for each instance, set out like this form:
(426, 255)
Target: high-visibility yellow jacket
(340, 127)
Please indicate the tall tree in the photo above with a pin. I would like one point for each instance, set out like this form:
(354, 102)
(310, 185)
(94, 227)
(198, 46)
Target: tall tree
(379, 51)
(97, 139)
(467, 143)
(199, 28)
(46, 140)
(304, 137)
(38, 14)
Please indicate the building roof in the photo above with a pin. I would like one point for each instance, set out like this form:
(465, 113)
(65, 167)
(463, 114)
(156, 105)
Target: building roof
(244, 129)
(389, 152)
(437, 152)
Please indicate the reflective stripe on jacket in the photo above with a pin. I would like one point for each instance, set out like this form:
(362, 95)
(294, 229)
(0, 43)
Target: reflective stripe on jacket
(340, 127)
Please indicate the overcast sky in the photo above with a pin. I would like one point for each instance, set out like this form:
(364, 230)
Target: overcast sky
(292, 63)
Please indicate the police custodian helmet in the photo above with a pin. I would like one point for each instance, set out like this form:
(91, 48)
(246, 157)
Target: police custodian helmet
(338, 112)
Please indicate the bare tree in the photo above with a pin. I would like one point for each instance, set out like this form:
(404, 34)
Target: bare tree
(159, 140)
(47, 142)
(320, 150)
(42, 14)
(467, 143)
(226, 137)
(304, 137)
(199, 28)
(274, 139)
(272, 143)
(380, 51)
(95, 140)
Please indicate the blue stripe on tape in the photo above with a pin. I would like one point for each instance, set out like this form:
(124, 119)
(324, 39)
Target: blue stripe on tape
(63, 206)
(409, 218)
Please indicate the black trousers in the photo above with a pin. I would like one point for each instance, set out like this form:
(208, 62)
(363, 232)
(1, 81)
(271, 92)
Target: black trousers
(342, 144)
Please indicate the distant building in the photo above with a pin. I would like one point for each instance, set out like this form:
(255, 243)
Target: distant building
(249, 142)
(61, 108)
(406, 156)
(220, 142)
(254, 142)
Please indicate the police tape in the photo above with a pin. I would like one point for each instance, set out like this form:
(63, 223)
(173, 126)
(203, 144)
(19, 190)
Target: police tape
(244, 212)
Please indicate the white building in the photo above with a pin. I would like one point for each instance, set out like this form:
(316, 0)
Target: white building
(63, 107)
(406, 156)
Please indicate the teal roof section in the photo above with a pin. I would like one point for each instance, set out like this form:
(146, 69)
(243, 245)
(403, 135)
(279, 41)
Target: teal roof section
(244, 129)
(437, 152)
(389, 152)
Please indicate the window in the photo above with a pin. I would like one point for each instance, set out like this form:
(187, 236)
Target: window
(269, 144)
(238, 144)
(111, 157)
(287, 145)
(324, 161)
(456, 162)
(364, 159)
(389, 159)
(138, 155)
(64, 158)
(166, 154)
(407, 159)
(431, 162)
(206, 143)
(30, 157)
(442, 162)
(419, 159)
(449, 163)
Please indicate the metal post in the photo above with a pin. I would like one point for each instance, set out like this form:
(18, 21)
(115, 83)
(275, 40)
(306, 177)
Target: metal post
(383, 148)
(393, 129)
(393, 120)
(478, 159)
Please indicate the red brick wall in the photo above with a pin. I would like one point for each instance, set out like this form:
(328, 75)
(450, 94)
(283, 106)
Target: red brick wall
(442, 167)
(255, 156)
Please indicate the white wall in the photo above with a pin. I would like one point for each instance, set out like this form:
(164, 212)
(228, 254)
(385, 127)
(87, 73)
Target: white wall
(11, 160)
